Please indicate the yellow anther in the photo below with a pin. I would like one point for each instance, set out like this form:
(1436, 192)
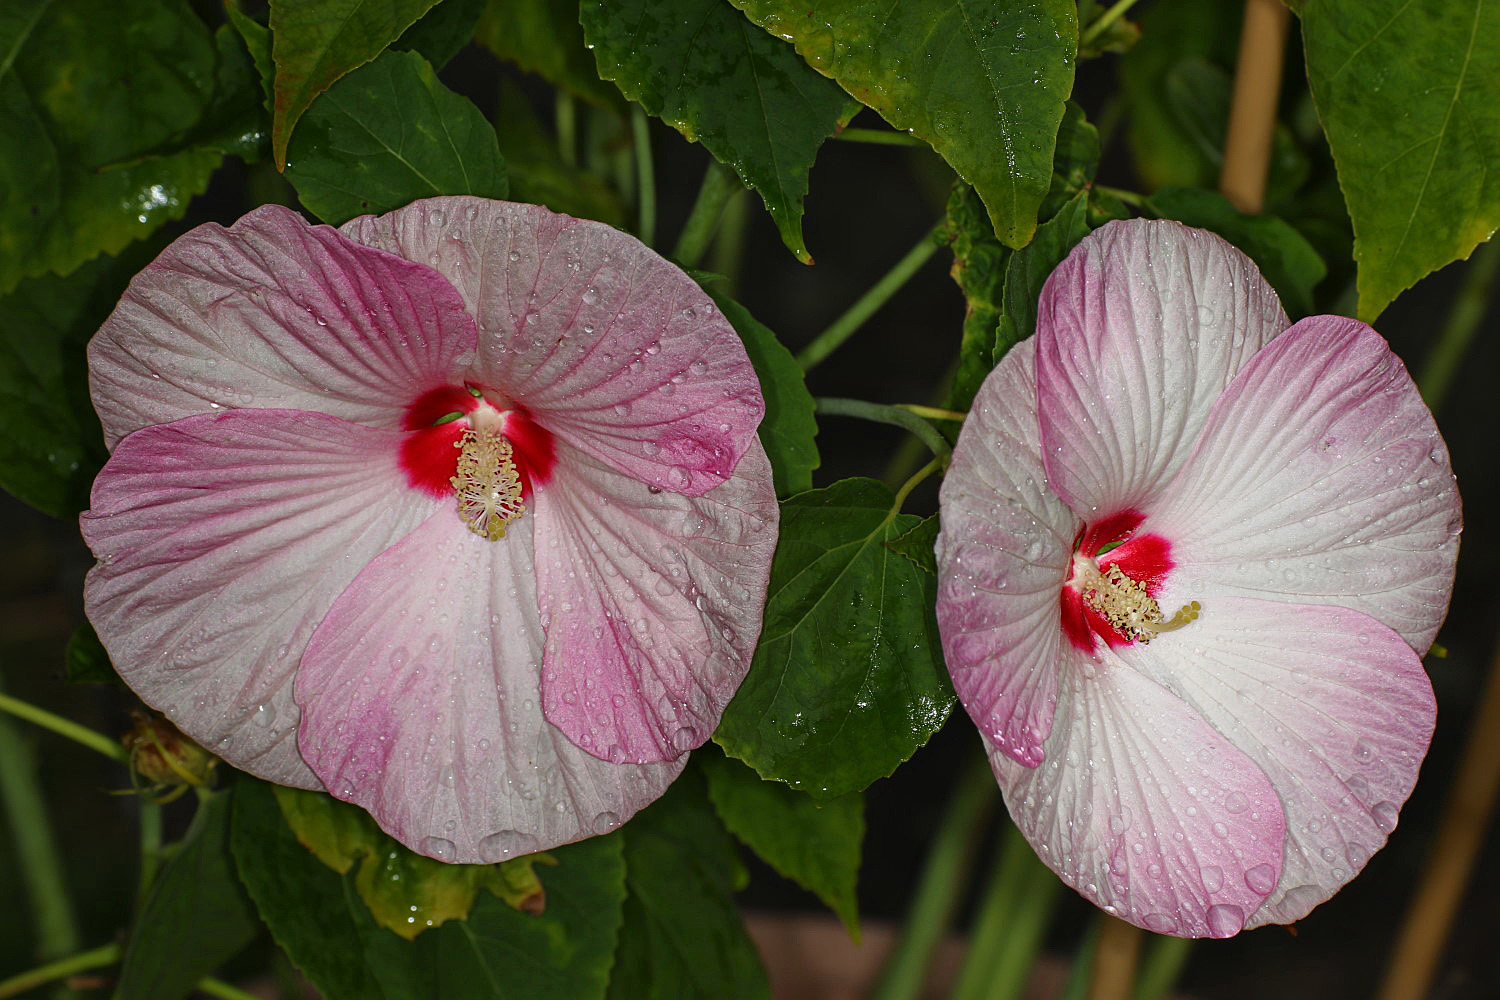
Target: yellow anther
(1127, 606)
(487, 484)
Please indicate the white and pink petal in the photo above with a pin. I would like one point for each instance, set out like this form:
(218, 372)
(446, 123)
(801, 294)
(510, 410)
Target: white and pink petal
(222, 540)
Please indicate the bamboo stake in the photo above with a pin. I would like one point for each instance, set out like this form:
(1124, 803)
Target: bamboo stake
(1115, 959)
(1252, 112)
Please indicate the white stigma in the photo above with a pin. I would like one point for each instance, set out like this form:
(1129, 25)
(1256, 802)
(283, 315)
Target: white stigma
(1125, 604)
(487, 484)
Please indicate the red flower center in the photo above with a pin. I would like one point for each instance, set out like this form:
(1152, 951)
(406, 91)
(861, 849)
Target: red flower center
(437, 421)
(1113, 582)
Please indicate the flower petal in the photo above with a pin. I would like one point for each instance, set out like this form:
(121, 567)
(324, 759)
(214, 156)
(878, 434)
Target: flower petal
(1333, 706)
(1320, 479)
(1003, 555)
(652, 603)
(1144, 808)
(421, 702)
(610, 347)
(222, 540)
(1138, 332)
(273, 313)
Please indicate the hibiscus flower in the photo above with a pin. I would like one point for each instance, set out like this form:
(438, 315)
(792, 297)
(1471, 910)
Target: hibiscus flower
(1189, 557)
(457, 512)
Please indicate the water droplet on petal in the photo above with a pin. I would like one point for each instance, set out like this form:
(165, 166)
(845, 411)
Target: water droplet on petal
(1225, 920)
(1261, 879)
(605, 822)
(264, 715)
(504, 844)
(685, 738)
(1384, 814)
(1236, 802)
(1213, 878)
(437, 847)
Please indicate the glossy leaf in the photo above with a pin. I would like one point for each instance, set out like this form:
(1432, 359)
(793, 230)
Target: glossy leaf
(918, 544)
(388, 134)
(1409, 96)
(1027, 271)
(683, 938)
(717, 79)
(315, 43)
(814, 843)
(1283, 255)
(788, 430)
(984, 84)
(544, 37)
(87, 89)
(979, 260)
(847, 681)
(318, 918)
(196, 918)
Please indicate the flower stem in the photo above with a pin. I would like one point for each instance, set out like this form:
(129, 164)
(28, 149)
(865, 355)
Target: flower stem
(913, 483)
(219, 988)
(1103, 21)
(1130, 198)
(728, 250)
(941, 885)
(150, 823)
(64, 727)
(1162, 966)
(645, 175)
(880, 137)
(1012, 920)
(932, 412)
(879, 413)
(16, 985)
(719, 185)
(845, 326)
(1468, 311)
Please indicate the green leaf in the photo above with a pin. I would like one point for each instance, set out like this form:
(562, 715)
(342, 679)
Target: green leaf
(406, 892)
(317, 916)
(1074, 163)
(87, 88)
(815, 844)
(1028, 269)
(1409, 96)
(847, 681)
(682, 937)
(984, 83)
(315, 43)
(1286, 259)
(443, 31)
(85, 660)
(979, 260)
(917, 545)
(387, 134)
(789, 428)
(706, 71)
(52, 445)
(537, 172)
(544, 37)
(196, 918)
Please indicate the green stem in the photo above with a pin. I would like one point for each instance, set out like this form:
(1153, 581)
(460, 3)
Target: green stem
(729, 247)
(944, 877)
(62, 968)
(719, 185)
(1012, 920)
(150, 850)
(1162, 967)
(1103, 21)
(1130, 198)
(40, 866)
(1082, 969)
(645, 174)
(64, 727)
(1468, 311)
(882, 414)
(566, 115)
(916, 480)
(219, 988)
(932, 412)
(879, 137)
(845, 326)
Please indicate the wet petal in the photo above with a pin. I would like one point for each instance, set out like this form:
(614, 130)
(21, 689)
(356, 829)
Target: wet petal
(1138, 332)
(1003, 555)
(222, 541)
(652, 603)
(1335, 709)
(1144, 808)
(421, 702)
(1320, 479)
(610, 347)
(274, 313)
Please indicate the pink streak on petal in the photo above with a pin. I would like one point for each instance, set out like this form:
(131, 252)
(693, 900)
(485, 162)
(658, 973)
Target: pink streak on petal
(1144, 809)
(1333, 706)
(222, 540)
(610, 347)
(652, 603)
(273, 313)
(1002, 557)
(1138, 332)
(1320, 479)
(421, 703)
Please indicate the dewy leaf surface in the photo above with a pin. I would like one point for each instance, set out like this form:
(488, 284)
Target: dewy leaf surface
(847, 681)
(1409, 95)
(388, 134)
(716, 78)
(983, 82)
(313, 44)
(316, 915)
(88, 88)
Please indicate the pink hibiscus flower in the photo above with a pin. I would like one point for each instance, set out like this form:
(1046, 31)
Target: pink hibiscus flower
(1188, 557)
(457, 512)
